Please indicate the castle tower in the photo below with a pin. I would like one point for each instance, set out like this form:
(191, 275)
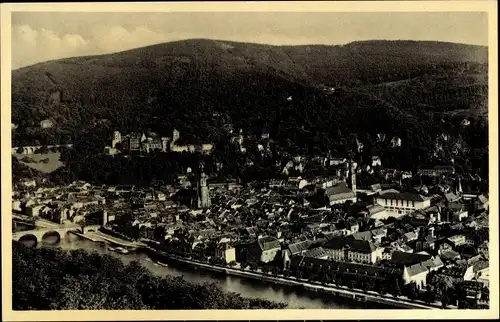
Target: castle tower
(117, 138)
(164, 144)
(175, 135)
(203, 192)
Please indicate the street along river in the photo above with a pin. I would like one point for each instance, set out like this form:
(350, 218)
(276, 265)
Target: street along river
(296, 298)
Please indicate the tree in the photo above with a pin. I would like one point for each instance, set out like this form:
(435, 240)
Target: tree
(351, 284)
(485, 294)
(369, 284)
(445, 300)
(430, 294)
(52, 279)
(42, 150)
(412, 291)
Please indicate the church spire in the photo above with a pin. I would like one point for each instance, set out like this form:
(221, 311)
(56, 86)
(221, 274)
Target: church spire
(459, 188)
(203, 192)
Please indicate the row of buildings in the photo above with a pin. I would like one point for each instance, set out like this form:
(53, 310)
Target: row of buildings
(294, 224)
(142, 143)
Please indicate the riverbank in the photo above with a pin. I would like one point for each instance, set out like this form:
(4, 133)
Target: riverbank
(315, 287)
(341, 292)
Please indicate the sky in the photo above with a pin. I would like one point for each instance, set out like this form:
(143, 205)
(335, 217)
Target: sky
(42, 36)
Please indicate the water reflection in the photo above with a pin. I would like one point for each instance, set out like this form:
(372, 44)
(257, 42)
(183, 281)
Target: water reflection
(295, 297)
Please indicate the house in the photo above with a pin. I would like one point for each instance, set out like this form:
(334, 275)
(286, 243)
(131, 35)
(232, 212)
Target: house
(458, 273)
(16, 205)
(27, 183)
(400, 204)
(482, 272)
(353, 250)
(481, 203)
(406, 175)
(323, 183)
(375, 188)
(318, 252)
(451, 197)
(455, 212)
(297, 182)
(374, 235)
(337, 161)
(402, 247)
(299, 247)
(433, 213)
(269, 247)
(376, 161)
(377, 212)
(45, 124)
(410, 236)
(465, 122)
(34, 210)
(484, 247)
(425, 243)
(381, 137)
(417, 272)
(339, 194)
(277, 183)
(456, 240)
(449, 255)
(473, 289)
(395, 142)
(378, 274)
(437, 171)
(135, 141)
(225, 252)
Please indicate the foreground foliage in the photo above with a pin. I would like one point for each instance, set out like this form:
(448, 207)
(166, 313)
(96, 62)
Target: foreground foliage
(53, 279)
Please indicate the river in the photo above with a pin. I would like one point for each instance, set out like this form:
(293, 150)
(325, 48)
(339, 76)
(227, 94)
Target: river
(295, 298)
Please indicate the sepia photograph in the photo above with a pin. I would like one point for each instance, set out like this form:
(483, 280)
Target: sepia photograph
(249, 157)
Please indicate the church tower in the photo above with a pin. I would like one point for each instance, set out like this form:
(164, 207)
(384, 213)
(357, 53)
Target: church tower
(352, 174)
(203, 192)
(104, 218)
(459, 188)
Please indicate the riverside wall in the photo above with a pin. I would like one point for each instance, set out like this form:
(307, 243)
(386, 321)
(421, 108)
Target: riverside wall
(313, 287)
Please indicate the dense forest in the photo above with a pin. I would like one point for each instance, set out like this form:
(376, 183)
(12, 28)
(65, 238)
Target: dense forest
(53, 279)
(412, 90)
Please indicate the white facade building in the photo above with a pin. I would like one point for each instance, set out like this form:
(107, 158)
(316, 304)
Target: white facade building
(400, 204)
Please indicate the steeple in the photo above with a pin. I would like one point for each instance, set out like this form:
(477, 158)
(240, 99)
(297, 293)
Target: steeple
(203, 192)
(459, 188)
(352, 175)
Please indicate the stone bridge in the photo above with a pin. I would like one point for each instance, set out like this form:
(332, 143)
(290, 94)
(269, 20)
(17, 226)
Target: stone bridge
(32, 149)
(38, 235)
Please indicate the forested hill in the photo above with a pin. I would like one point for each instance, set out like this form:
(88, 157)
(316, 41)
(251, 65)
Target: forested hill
(401, 87)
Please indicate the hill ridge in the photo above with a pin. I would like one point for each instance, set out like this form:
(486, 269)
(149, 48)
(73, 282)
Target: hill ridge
(314, 45)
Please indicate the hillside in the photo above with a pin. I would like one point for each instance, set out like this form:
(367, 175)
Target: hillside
(141, 73)
(408, 89)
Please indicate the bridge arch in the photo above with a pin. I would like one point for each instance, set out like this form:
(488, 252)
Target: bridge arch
(29, 240)
(51, 237)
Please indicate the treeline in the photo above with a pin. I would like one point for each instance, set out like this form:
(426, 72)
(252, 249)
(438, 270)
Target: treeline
(53, 279)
